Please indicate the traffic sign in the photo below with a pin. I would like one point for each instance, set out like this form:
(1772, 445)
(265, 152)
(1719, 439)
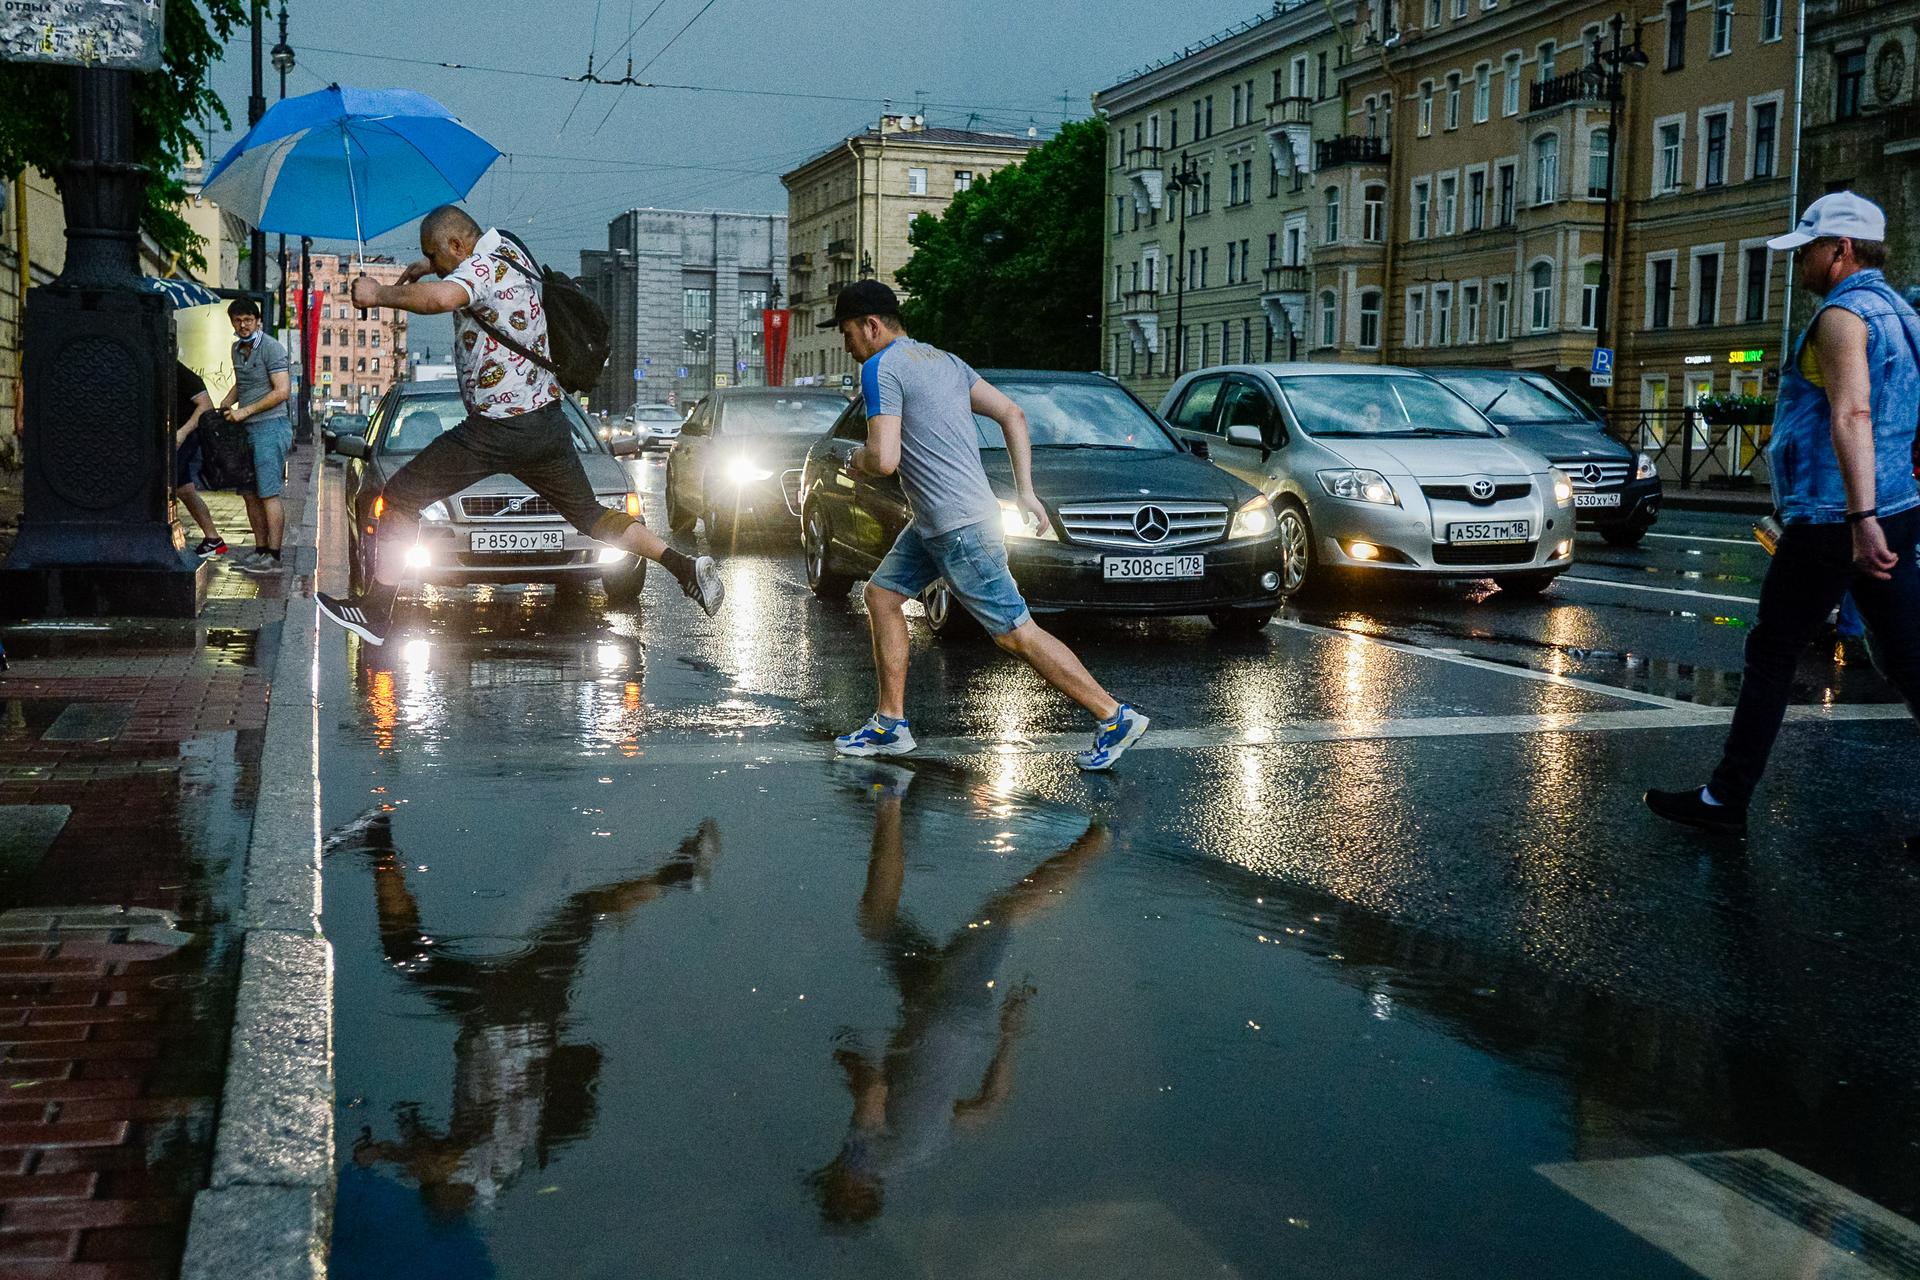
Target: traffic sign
(1599, 380)
(741, 366)
(682, 372)
(639, 375)
(1600, 373)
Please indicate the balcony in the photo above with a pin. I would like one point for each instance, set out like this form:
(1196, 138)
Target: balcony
(799, 298)
(1349, 149)
(1143, 172)
(1582, 86)
(800, 262)
(835, 286)
(1289, 134)
(841, 249)
(1283, 297)
(1140, 311)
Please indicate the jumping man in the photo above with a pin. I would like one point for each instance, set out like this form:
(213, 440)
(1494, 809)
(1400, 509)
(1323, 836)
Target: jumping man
(920, 403)
(516, 423)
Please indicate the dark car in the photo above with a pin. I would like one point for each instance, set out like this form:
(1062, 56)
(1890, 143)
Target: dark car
(1615, 490)
(498, 530)
(1140, 524)
(738, 459)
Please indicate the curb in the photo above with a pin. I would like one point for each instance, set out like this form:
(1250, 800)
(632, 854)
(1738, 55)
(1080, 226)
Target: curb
(267, 1212)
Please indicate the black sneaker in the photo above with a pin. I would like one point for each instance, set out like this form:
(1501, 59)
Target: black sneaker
(1688, 809)
(705, 588)
(211, 547)
(352, 615)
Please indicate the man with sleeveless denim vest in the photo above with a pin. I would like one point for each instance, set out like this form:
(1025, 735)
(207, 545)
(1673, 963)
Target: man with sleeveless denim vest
(1843, 478)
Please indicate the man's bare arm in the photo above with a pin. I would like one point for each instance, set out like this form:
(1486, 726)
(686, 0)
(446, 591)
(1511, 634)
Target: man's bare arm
(990, 402)
(880, 455)
(1840, 345)
(422, 299)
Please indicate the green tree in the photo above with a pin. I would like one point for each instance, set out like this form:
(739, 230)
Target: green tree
(1009, 275)
(170, 106)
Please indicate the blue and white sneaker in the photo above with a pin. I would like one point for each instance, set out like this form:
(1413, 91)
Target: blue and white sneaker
(875, 739)
(1112, 740)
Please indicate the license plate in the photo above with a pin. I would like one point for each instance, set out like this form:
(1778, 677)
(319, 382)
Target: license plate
(1494, 531)
(519, 540)
(1596, 499)
(1152, 568)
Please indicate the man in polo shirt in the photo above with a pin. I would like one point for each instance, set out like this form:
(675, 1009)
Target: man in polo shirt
(261, 387)
(516, 421)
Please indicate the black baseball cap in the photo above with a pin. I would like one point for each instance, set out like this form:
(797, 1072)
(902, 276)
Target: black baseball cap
(865, 298)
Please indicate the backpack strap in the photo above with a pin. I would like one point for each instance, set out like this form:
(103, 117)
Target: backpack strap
(534, 280)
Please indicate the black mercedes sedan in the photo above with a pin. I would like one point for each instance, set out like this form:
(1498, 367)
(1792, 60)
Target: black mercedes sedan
(1139, 523)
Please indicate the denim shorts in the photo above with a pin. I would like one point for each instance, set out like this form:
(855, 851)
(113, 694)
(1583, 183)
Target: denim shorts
(271, 440)
(972, 559)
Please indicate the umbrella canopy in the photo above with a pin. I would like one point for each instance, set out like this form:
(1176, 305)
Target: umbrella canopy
(184, 293)
(348, 163)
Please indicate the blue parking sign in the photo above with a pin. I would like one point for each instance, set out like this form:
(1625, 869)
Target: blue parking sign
(1602, 360)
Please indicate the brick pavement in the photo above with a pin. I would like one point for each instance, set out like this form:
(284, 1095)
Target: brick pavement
(141, 740)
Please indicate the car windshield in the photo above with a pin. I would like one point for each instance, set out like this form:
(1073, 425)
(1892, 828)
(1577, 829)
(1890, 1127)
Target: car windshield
(419, 420)
(1384, 406)
(657, 413)
(347, 423)
(1516, 399)
(1078, 415)
(797, 415)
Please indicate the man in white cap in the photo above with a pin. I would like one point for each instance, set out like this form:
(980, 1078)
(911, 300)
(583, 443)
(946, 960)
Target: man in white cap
(1843, 482)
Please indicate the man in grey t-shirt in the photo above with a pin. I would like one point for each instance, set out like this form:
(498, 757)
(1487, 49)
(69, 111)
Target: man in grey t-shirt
(920, 404)
(262, 384)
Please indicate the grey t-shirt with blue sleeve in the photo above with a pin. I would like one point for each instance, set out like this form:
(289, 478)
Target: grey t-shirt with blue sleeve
(930, 392)
(254, 364)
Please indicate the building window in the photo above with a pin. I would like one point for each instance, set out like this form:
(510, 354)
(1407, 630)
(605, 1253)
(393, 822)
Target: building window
(1590, 296)
(1203, 268)
(1477, 200)
(1370, 320)
(1722, 27)
(1502, 309)
(1320, 77)
(1540, 298)
(1449, 205)
(1766, 138)
(1716, 150)
(1599, 163)
(1706, 289)
(963, 178)
(1660, 294)
(1246, 341)
(1546, 168)
(1469, 313)
(1233, 184)
(1333, 216)
(1237, 117)
(1442, 315)
(1373, 213)
(1416, 318)
(326, 364)
(1233, 263)
(1373, 117)
(1482, 93)
(696, 335)
(1668, 158)
(917, 180)
(1273, 248)
(326, 337)
(1459, 8)
(1505, 195)
(1770, 15)
(1453, 100)
(1329, 320)
(1433, 14)
(1544, 72)
(1422, 202)
(1757, 283)
(1850, 74)
(1510, 86)
(1676, 34)
(1425, 119)
(1209, 103)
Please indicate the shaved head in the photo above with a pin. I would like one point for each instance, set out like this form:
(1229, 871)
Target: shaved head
(448, 219)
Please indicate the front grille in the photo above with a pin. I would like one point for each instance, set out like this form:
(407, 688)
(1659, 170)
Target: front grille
(521, 559)
(1112, 524)
(1458, 493)
(489, 506)
(1479, 553)
(1611, 475)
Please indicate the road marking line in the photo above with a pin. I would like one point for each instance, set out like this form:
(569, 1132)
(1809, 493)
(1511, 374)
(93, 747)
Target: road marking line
(1665, 591)
(1694, 537)
(1484, 664)
(1745, 1215)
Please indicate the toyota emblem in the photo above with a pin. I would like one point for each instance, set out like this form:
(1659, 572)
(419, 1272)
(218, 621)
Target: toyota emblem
(1481, 489)
(1150, 524)
(1592, 474)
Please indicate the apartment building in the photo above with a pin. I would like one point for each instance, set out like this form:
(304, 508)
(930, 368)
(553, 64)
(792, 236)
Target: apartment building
(1215, 217)
(850, 209)
(1479, 140)
(359, 353)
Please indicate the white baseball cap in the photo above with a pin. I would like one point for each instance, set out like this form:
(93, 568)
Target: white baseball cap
(1840, 214)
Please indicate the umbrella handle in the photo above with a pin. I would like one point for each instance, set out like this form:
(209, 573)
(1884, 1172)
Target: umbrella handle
(353, 196)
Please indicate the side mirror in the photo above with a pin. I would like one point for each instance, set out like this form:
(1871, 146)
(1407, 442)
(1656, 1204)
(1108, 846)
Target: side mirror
(1246, 436)
(626, 447)
(350, 446)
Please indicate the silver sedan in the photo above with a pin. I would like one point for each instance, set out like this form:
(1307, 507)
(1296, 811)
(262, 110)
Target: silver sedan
(1381, 470)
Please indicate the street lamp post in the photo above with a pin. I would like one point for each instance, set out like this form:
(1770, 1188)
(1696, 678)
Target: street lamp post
(257, 107)
(282, 56)
(1184, 179)
(1610, 64)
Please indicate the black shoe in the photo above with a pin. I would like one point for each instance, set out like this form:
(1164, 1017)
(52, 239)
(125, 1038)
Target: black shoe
(1688, 809)
(353, 615)
(705, 587)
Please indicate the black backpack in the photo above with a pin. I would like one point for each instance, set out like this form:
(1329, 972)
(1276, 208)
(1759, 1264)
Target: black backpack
(226, 452)
(578, 335)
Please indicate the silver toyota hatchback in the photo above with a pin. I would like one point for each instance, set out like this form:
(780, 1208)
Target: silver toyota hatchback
(1384, 470)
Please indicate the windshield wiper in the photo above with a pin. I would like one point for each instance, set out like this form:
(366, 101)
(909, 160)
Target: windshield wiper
(1487, 408)
(1436, 431)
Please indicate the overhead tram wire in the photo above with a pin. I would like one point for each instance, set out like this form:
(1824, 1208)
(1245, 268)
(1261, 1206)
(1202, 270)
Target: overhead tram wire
(588, 78)
(649, 62)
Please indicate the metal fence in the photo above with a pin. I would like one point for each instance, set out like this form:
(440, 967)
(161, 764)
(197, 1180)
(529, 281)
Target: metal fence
(1692, 453)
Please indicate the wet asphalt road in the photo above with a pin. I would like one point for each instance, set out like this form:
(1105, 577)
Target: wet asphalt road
(1373, 965)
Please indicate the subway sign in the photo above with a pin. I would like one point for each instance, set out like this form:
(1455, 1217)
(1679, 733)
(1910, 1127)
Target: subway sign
(1745, 357)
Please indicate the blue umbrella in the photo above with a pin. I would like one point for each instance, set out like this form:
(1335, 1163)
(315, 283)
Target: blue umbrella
(348, 162)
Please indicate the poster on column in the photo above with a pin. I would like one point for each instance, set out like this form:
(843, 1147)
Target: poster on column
(774, 328)
(124, 34)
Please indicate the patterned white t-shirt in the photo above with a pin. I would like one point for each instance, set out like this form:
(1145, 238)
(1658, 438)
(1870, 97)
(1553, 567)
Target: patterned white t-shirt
(494, 381)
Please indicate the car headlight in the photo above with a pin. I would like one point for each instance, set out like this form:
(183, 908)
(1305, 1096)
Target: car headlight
(1562, 487)
(1254, 520)
(1018, 522)
(435, 511)
(742, 470)
(1359, 485)
(1643, 468)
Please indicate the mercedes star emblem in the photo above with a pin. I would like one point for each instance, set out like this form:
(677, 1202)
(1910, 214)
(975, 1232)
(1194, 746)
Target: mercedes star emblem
(1592, 474)
(1481, 489)
(1150, 524)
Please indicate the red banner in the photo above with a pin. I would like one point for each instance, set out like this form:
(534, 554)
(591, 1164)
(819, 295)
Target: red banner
(774, 326)
(310, 335)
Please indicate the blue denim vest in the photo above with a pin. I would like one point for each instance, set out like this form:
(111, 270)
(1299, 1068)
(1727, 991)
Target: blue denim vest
(1807, 486)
